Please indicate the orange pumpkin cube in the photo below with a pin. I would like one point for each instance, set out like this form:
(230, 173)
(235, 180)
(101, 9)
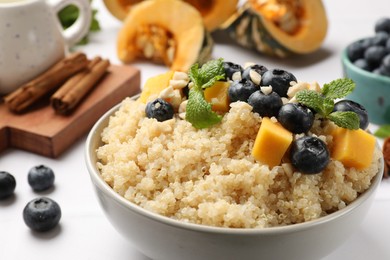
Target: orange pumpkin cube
(218, 96)
(155, 85)
(271, 143)
(354, 148)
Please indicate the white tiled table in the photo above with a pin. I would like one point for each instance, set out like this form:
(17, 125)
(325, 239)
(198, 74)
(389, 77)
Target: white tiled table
(85, 233)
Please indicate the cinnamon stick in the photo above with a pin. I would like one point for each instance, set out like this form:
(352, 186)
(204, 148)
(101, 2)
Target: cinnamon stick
(45, 83)
(69, 95)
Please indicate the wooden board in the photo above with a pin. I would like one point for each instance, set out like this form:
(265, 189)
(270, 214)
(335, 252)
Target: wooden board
(44, 132)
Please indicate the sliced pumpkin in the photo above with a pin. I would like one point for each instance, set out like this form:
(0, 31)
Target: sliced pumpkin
(214, 12)
(280, 27)
(164, 31)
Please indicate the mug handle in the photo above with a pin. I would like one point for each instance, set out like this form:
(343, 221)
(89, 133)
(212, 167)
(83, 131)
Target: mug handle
(80, 27)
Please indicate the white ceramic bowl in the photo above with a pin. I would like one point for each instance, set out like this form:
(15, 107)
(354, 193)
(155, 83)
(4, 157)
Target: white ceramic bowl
(160, 237)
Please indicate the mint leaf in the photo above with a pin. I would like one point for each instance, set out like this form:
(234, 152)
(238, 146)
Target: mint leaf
(198, 111)
(327, 106)
(338, 88)
(311, 99)
(345, 119)
(210, 72)
(383, 131)
(212, 81)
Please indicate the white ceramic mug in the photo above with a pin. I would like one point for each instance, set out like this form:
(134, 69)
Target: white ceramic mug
(32, 39)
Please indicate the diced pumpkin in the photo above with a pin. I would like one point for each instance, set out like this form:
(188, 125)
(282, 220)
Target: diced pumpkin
(279, 27)
(155, 85)
(169, 32)
(217, 95)
(354, 148)
(271, 143)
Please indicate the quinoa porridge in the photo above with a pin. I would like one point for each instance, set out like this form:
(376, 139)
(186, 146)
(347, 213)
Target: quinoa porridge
(209, 176)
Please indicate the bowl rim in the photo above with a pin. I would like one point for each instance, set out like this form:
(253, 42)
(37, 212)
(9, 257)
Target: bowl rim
(108, 191)
(368, 74)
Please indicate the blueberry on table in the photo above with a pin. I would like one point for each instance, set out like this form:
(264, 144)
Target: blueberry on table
(160, 110)
(7, 184)
(356, 49)
(257, 72)
(231, 68)
(40, 178)
(279, 80)
(42, 214)
(241, 90)
(296, 118)
(349, 105)
(265, 105)
(309, 155)
(383, 25)
(374, 55)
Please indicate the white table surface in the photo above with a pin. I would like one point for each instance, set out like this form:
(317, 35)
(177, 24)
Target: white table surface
(85, 233)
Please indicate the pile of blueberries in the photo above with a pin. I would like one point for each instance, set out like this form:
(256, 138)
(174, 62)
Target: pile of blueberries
(373, 53)
(308, 154)
(40, 214)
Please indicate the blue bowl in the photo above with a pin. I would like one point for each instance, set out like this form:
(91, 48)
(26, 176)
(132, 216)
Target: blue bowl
(372, 91)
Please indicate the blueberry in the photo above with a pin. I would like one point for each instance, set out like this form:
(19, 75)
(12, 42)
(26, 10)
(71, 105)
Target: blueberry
(296, 118)
(7, 185)
(309, 155)
(349, 105)
(265, 105)
(241, 90)
(363, 64)
(377, 71)
(388, 45)
(383, 25)
(380, 38)
(386, 62)
(231, 68)
(259, 69)
(356, 49)
(42, 214)
(279, 80)
(374, 55)
(159, 109)
(383, 71)
(40, 178)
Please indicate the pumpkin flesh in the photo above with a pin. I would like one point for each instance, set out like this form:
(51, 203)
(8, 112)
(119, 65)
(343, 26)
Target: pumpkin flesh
(214, 12)
(173, 33)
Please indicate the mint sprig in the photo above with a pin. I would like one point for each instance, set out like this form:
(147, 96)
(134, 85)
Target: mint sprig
(198, 111)
(383, 131)
(323, 103)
